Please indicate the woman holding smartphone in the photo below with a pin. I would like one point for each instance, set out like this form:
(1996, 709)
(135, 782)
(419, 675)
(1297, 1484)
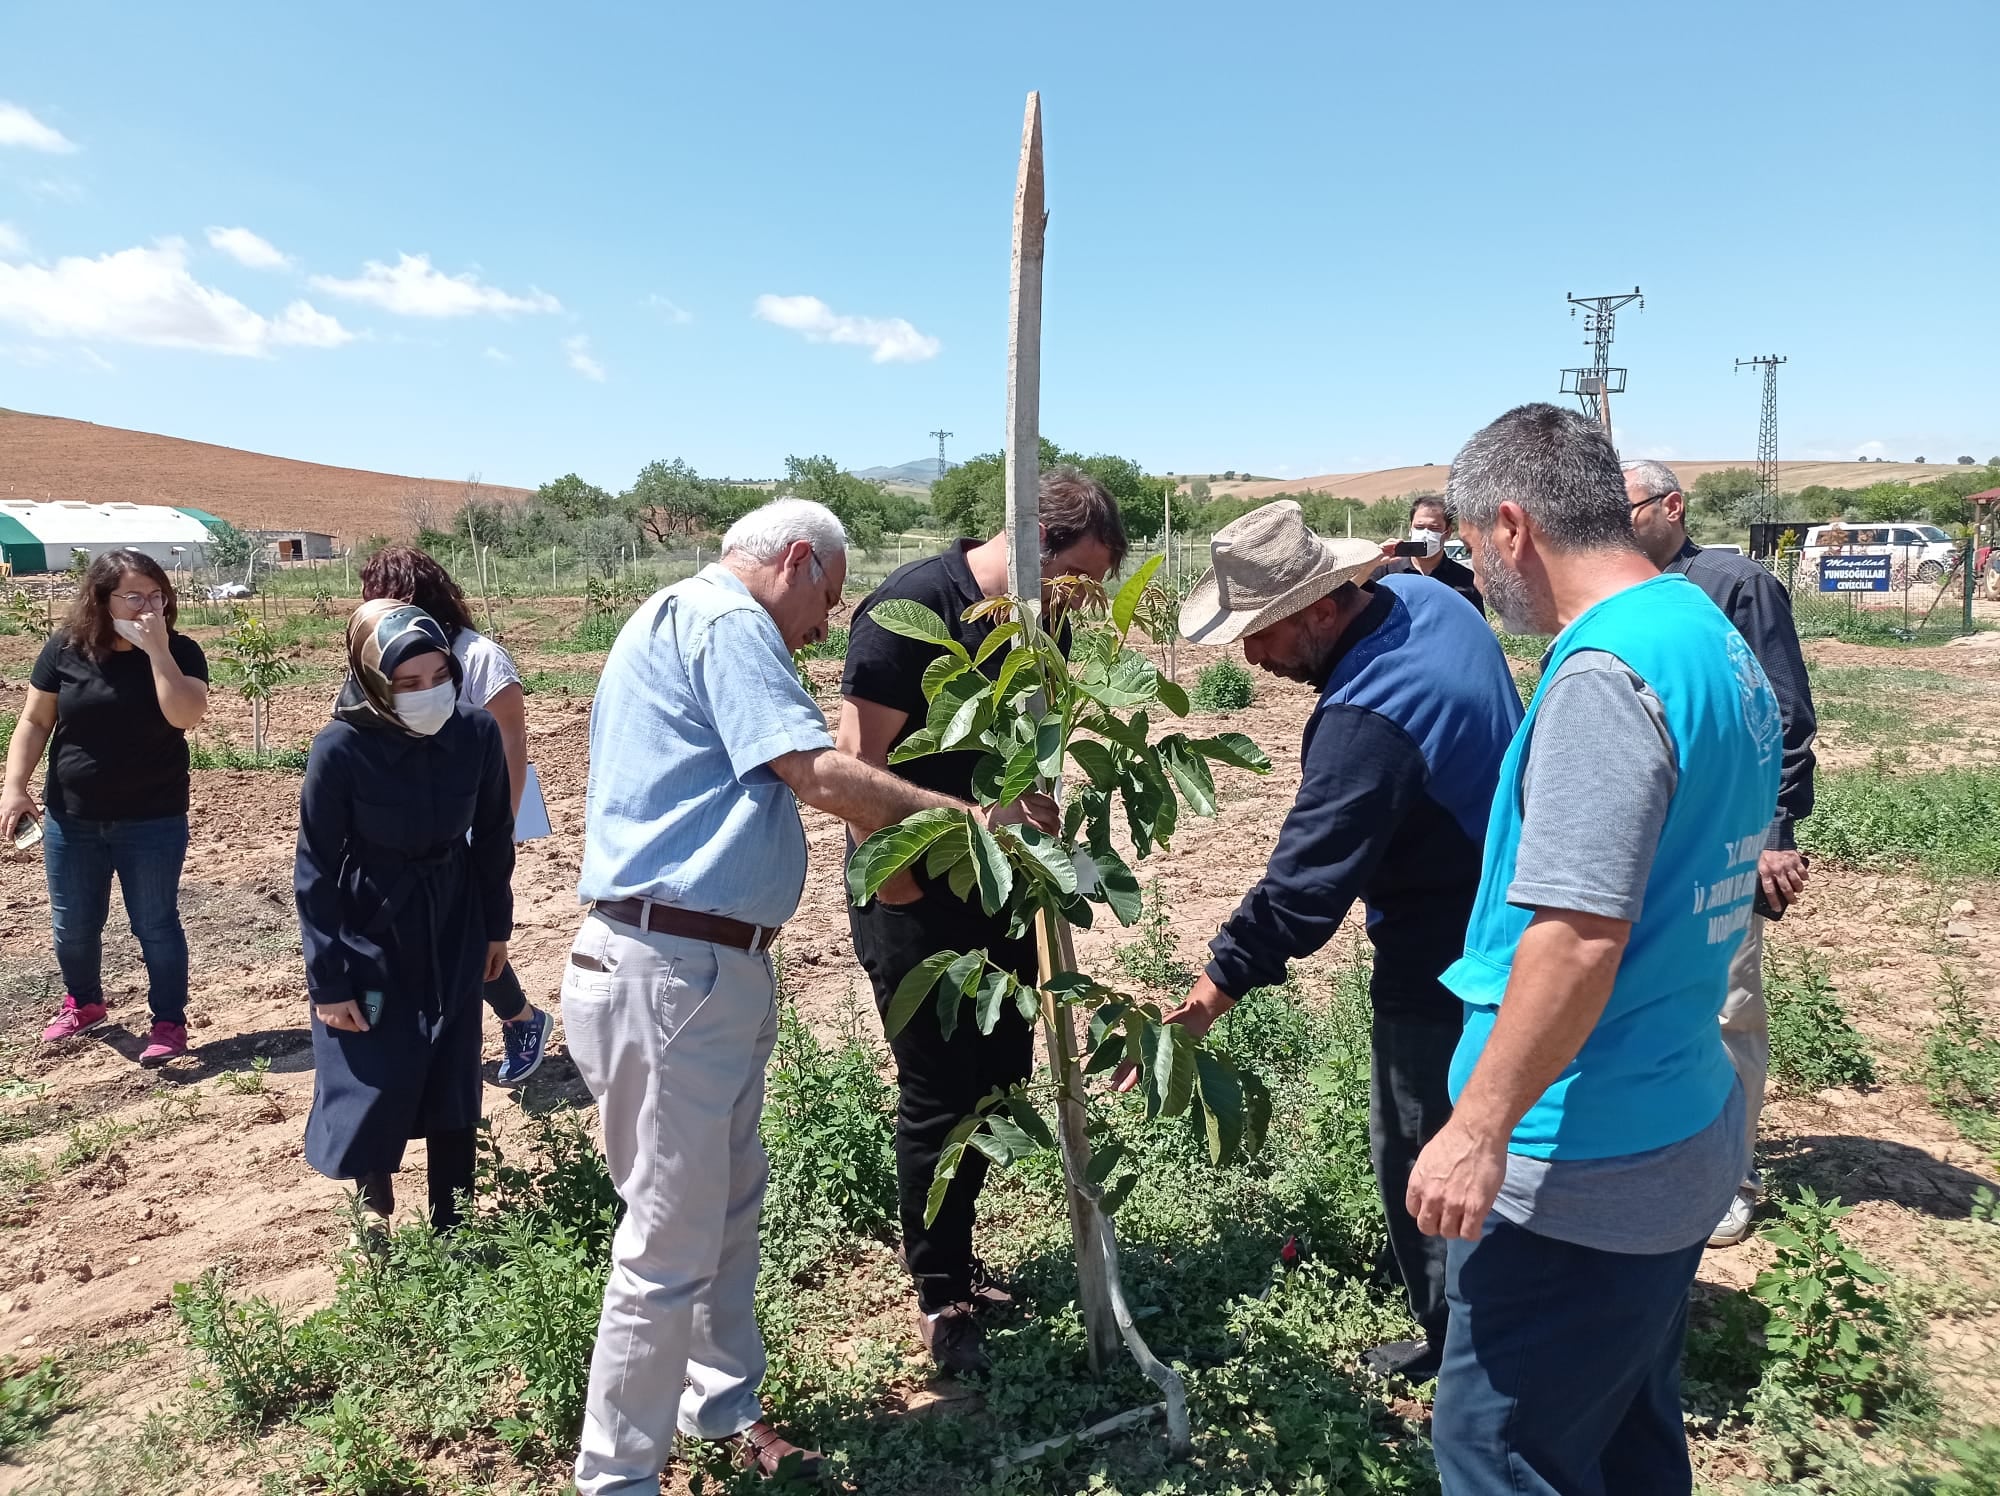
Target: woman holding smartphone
(489, 683)
(405, 854)
(115, 691)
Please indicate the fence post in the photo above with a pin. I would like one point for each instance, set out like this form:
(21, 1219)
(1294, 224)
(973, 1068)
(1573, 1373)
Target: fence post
(1970, 553)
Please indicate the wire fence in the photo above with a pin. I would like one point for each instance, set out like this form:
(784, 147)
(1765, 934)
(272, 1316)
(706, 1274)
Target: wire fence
(1867, 597)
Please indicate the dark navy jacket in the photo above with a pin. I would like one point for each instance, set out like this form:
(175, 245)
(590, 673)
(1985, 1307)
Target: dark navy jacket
(1398, 769)
(1761, 608)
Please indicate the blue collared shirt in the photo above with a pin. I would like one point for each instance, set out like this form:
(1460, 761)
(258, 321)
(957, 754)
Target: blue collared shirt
(698, 695)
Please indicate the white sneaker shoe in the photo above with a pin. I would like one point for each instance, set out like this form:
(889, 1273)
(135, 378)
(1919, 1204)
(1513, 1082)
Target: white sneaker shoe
(1734, 1229)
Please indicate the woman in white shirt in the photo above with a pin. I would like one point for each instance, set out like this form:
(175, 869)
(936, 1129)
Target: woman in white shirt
(493, 685)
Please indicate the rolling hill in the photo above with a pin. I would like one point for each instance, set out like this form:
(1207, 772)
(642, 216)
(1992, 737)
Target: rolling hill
(1390, 483)
(44, 457)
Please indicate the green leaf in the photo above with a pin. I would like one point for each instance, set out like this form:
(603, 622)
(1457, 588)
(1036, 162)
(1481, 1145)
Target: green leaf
(962, 879)
(913, 989)
(990, 997)
(1172, 1071)
(914, 621)
(1004, 1142)
(944, 668)
(1128, 733)
(1126, 603)
(1115, 1196)
(1102, 1162)
(995, 873)
(1235, 750)
(1048, 748)
(1027, 1001)
(971, 700)
(1096, 761)
(994, 642)
(918, 744)
(1031, 1122)
(1221, 1105)
(894, 848)
(1173, 697)
(949, 1158)
(1189, 772)
(1132, 681)
(946, 853)
(1011, 667)
(1045, 856)
(1022, 770)
(1256, 1111)
(1120, 887)
(959, 979)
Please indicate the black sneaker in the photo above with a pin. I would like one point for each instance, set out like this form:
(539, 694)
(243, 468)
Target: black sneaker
(1415, 1361)
(955, 1341)
(988, 1292)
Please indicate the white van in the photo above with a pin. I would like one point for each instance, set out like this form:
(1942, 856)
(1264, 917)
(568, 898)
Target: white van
(1923, 552)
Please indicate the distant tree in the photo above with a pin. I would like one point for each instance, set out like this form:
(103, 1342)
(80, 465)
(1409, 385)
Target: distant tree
(228, 547)
(1920, 459)
(420, 512)
(971, 499)
(1727, 494)
(603, 541)
(1230, 476)
(1965, 462)
(574, 499)
(669, 499)
(1199, 490)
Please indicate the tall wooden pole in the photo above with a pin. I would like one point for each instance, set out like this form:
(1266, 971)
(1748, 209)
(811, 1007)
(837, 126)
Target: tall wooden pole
(1024, 581)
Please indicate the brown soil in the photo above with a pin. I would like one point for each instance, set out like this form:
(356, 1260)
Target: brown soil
(202, 1173)
(42, 456)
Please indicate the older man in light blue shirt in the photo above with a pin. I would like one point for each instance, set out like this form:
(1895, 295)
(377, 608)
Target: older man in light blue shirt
(702, 743)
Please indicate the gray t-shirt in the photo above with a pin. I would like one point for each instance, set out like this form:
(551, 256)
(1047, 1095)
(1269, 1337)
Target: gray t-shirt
(1595, 790)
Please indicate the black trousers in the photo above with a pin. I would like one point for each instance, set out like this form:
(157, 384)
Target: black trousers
(1409, 1099)
(940, 1081)
(505, 995)
(452, 1161)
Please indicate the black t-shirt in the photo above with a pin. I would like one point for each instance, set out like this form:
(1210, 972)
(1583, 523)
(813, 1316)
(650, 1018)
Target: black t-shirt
(114, 755)
(1453, 574)
(888, 669)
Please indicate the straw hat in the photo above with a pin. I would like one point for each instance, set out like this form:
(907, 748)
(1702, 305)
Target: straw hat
(1267, 566)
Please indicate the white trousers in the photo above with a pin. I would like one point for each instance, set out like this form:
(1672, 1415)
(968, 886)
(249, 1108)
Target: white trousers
(672, 1036)
(1746, 1034)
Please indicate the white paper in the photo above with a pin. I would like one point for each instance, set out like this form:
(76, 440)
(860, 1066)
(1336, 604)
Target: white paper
(533, 822)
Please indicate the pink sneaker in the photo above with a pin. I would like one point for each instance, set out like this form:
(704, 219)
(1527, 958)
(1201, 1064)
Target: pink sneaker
(165, 1042)
(77, 1018)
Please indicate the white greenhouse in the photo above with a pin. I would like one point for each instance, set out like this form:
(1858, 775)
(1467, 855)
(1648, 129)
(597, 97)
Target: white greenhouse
(44, 537)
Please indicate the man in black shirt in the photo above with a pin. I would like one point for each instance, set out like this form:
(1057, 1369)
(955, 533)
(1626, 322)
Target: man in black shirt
(1760, 607)
(939, 1081)
(1430, 519)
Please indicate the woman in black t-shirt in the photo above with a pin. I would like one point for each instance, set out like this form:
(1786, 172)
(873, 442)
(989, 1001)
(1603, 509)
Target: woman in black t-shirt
(117, 689)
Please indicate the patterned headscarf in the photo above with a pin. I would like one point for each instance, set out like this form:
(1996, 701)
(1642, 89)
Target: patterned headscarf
(380, 636)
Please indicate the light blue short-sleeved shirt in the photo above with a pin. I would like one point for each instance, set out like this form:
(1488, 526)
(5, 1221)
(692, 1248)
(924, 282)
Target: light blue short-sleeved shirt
(698, 695)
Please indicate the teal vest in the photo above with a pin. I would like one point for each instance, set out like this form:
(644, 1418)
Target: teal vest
(1654, 1070)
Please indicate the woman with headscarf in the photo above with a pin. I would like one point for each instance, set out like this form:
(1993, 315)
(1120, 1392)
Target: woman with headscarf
(403, 917)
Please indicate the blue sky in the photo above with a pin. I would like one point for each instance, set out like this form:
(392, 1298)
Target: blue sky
(522, 240)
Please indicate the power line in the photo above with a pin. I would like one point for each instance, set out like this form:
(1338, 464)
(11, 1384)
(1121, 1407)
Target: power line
(1767, 431)
(1595, 385)
(941, 435)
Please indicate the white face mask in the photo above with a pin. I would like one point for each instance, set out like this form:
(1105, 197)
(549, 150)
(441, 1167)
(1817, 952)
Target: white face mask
(424, 712)
(1429, 538)
(127, 630)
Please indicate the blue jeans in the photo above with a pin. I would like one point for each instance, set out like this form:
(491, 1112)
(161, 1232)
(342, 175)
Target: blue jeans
(1562, 1369)
(79, 858)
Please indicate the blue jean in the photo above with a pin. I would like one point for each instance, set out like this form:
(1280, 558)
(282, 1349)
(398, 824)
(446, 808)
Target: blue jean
(80, 858)
(1562, 1369)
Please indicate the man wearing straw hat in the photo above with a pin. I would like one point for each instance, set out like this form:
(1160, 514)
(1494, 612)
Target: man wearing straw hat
(1397, 769)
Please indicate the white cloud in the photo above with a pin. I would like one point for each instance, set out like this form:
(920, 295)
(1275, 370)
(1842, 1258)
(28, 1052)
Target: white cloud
(12, 242)
(18, 127)
(57, 191)
(1870, 449)
(246, 248)
(28, 355)
(679, 315)
(148, 296)
(412, 287)
(96, 360)
(893, 340)
(578, 349)
(498, 357)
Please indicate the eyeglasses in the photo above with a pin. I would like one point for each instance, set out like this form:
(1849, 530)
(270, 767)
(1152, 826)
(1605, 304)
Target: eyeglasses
(1635, 508)
(142, 599)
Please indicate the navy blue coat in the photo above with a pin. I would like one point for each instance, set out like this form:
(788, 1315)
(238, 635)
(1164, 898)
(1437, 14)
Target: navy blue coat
(394, 899)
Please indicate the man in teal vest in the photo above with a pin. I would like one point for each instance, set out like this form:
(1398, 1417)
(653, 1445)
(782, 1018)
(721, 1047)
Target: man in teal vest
(1598, 1124)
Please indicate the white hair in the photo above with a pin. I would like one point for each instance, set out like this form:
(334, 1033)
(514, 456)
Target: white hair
(765, 531)
(1657, 476)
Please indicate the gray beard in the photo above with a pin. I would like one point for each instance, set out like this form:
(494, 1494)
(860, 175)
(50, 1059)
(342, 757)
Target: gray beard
(1508, 596)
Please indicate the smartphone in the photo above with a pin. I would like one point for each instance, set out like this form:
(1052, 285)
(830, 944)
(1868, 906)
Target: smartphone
(1413, 548)
(371, 1007)
(27, 832)
(1762, 904)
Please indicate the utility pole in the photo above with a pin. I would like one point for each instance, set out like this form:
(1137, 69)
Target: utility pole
(1767, 433)
(1595, 385)
(941, 435)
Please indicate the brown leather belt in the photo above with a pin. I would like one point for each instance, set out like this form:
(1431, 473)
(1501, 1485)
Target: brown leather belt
(664, 919)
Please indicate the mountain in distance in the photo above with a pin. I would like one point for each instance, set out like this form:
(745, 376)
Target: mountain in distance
(919, 474)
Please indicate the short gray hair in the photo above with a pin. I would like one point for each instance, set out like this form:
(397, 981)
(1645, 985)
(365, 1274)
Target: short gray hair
(1557, 465)
(1657, 476)
(765, 531)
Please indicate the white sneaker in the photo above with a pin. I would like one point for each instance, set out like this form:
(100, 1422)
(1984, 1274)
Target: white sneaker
(1734, 1229)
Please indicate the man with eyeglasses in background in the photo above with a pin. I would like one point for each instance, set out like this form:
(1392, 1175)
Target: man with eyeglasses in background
(1760, 607)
